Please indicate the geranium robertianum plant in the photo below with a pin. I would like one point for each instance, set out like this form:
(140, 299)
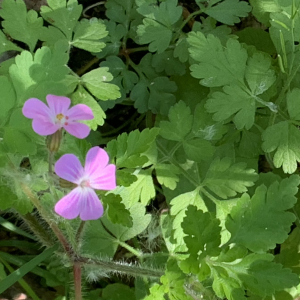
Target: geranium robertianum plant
(195, 195)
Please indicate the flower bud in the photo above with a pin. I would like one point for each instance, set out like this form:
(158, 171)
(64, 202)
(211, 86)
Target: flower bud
(53, 141)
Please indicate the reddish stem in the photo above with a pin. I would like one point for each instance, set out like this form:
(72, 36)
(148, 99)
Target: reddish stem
(77, 280)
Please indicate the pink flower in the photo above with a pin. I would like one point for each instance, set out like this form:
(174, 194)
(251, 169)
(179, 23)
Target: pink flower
(97, 174)
(47, 120)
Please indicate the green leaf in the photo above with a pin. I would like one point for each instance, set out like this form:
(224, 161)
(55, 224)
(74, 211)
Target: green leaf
(40, 75)
(141, 190)
(8, 99)
(284, 138)
(251, 221)
(250, 145)
(226, 179)
(198, 149)
(117, 291)
(127, 150)
(121, 73)
(6, 44)
(218, 65)
(229, 11)
(82, 96)
(167, 175)
(156, 34)
(19, 24)
(180, 123)
(166, 62)
(117, 212)
(125, 177)
(203, 238)
(140, 223)
(258, 74)
(204, 127)
(155, 95)
(87, 35)
(156, 28)
(178, 209)
(95, 82)
(255, 272)
(293, 103)
(233, 103)
(62, 14)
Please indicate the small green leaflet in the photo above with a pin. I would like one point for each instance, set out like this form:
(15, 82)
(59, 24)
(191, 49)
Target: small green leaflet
(120, 11)
(284, 137)
(202, 240)
(217, 66)
(19, 24)
(122, 75)
(180, 123)
(87, 34)
(95, 82)
(7, 45)
(229, 11)
(233, 101)
(226, 179)
(167, 175)
(140, 223)
(178, 209)
(157, 27)
(127, 150)
(172, 284)
(142, 189)
(177, 129)
(62, 14)
(155, 95)
(167, 62)
(251, 221)
(117, 213)
(82, 96)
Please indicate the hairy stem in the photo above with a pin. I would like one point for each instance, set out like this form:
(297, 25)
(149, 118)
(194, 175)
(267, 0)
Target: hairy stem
(126, 269)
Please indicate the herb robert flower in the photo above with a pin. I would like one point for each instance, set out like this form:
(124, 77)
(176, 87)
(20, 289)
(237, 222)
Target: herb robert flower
(97, 174)
(49, 119)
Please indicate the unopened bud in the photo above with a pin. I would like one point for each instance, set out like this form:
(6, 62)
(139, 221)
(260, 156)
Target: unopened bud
(53, 141)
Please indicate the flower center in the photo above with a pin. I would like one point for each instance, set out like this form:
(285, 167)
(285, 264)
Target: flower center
(61, 119)
(84, 183)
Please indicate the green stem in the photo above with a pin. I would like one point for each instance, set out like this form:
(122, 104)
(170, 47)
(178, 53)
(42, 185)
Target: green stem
(130, 249)
(175, 163)
(79, 232)
(190, 17)
(212, 198)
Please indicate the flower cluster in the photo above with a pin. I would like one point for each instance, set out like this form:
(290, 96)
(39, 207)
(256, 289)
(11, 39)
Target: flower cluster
(96, 174)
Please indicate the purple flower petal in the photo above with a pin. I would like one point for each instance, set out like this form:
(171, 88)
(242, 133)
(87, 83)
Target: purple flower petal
(96, 160)
(80, 112)
(44, 126)
(35, 108)
(79, 130)
(91, 206)
(104, 179)
(69, 206)
(69, 168)
(58, 104)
